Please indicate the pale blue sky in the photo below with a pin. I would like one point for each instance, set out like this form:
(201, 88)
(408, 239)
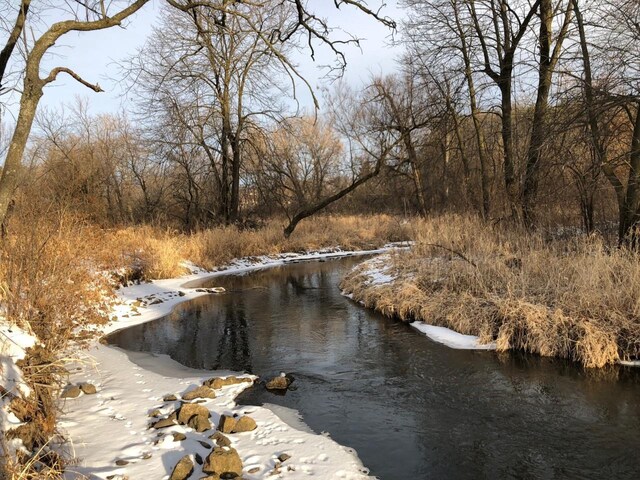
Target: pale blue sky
(94, 55)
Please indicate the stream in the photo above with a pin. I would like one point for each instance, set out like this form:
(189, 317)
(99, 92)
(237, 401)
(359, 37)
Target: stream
(411, 408)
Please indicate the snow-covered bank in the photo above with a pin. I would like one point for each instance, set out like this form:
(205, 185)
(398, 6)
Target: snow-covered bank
(13, 344)
(378, 273)
(451, 338)
(113, 425)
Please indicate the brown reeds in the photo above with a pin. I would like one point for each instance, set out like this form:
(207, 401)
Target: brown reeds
(574, 298)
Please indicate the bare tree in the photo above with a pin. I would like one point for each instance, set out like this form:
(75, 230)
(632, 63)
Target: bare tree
(550, 49)
(33, 85)
(12, 41)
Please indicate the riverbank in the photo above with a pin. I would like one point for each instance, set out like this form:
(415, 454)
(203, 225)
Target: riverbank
(58, 274)
(108, 434)
(573, 299)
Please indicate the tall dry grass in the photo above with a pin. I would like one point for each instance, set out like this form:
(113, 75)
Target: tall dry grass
(158, 253)
(574, 298)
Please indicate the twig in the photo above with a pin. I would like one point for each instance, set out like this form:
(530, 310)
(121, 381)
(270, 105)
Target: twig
(452, 251)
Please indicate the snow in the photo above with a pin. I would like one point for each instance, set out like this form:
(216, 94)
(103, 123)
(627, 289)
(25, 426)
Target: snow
(630, 363)
(451, 338)
(113, 424)
(13, 344)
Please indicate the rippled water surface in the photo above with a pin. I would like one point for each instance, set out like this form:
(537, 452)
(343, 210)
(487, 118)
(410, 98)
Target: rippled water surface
(411, 408)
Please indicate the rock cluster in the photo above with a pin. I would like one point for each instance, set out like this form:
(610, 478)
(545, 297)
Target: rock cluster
(223, 461)
(74, 391)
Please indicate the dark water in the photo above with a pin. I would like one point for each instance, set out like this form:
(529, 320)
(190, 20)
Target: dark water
(411, 408)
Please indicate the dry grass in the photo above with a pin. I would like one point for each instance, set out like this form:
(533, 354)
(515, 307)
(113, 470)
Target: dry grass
(160, 253)
(573, 298)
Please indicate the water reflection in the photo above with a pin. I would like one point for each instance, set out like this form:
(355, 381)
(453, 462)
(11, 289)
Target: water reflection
(411, 408)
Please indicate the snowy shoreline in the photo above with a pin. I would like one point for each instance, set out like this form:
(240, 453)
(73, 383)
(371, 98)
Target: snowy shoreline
(377, 273)
(113, 425)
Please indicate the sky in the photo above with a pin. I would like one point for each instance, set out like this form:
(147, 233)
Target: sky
(95, 55)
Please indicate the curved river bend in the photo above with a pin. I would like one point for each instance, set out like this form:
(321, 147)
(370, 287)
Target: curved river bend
(410, 407)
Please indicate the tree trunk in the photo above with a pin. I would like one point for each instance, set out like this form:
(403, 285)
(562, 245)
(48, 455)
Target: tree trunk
(235, 180)
(530, 184)
(510, 180)
(323, 203)
(9, 179)
(548, 60)
(415, 171)
(630, 213)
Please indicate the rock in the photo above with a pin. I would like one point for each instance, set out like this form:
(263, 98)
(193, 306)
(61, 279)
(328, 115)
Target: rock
(188, 410)
(178, 437)
(71, 391)
(155, 413)
(223, 460)
(169, 398)
(220, 439)
(147, 456)
(254, 470)
(200, 392)
(121, 463)
(88, 388)
(244, 424)
(199, 423)
(164, 423)
(283, 457)
(204, 444)
(279, 383)
(198, 459)
(183, 469)
(224, 382)
(226, 424)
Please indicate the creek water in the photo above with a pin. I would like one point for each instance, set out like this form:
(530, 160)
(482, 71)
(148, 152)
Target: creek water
(411, 408)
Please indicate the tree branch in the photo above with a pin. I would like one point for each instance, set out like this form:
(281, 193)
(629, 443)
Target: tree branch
(54, 74)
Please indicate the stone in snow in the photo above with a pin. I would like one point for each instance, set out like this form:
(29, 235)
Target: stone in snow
(244, 424)
(200, 392)
(183, 469)
(223, 382)
(164, 423)
(199, 423)
(188, 410)
(223, 460)
(283, 457)
(226, 424)
(220, 439)
(88, 388)
(71, 391)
